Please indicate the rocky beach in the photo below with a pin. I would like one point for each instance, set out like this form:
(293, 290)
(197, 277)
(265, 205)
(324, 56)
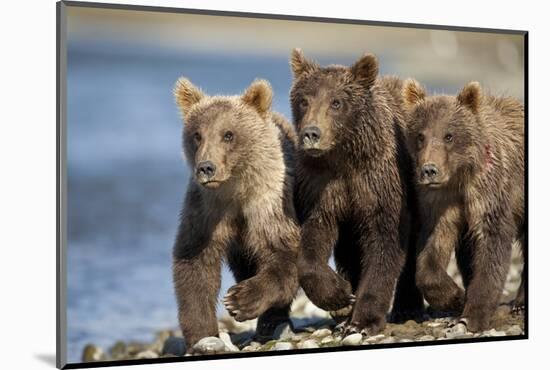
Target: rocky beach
(312, 327)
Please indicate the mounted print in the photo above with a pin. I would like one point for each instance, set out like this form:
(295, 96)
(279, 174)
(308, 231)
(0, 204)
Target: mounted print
(237, 185)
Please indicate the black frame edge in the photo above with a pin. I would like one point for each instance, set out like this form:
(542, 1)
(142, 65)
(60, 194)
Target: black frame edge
(226, 356)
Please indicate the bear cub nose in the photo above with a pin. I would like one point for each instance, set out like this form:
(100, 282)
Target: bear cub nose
(311, 134)
(206, 168)
(429, 171)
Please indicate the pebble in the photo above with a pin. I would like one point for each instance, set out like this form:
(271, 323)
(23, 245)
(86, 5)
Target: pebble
(298, 337)
(92, 353)
(310, 343)
(174, 346)
(404, 331)
(229, 346)
(118, 350)
(133, 348)
(253, 346)
(209, 345)
(352, 340)
(514, 330)
(388, 340)
(426, 337)
(147, 354)
(457, 332)
(281, 346)
(493, 333)
(374, 339)
(321, 333)
(439, 332)
(327, 339)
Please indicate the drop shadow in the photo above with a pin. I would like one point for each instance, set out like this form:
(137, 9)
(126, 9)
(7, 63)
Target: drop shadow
(47, 358)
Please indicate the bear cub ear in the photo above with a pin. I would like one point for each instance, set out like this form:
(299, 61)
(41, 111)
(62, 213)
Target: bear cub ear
(470, 96)
(413, 93)
(365, 70)
(186, 94)
(299, 64)
(259, 95)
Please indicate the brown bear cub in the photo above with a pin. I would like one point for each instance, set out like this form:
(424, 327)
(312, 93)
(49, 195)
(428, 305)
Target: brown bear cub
(238, 207)
(353, 182)
(469, 158)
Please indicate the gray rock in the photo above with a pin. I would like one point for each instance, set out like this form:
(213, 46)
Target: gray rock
(439, 332)
(118, 350)
(459, 328)
(174, 346)
(459, 336)
(93, 353)
(459, 331)
(209, 345)
(426, 337)
(229, 346)
(388, 340)
(147, 354)
(514, 330)
(374, 339)
(352, 340)
(493, 333)
(321, 333)
(133, 348)
(281, 346)
(310, 343)
(299, 337)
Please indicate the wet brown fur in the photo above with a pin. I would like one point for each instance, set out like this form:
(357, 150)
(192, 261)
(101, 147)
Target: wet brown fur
(352, 192)
(245, 217)
(477, 209)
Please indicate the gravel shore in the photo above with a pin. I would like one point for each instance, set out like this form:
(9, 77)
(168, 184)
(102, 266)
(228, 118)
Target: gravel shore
(312, 327)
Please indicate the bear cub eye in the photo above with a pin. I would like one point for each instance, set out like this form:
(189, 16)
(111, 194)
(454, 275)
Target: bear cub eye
(304, 103)
(228, 136)
(197, 137)
(420, 139)
(335, 104)
(448, 138)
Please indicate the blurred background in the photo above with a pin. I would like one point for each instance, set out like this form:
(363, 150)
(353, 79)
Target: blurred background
(126, 176)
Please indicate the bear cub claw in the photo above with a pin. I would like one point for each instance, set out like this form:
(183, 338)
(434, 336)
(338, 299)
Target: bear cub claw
(476, 324)
(348, 327)
(518, 309)
(245, 301)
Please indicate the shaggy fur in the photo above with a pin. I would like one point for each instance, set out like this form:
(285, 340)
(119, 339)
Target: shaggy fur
(242, 213)
(352, 191)
(469, 157)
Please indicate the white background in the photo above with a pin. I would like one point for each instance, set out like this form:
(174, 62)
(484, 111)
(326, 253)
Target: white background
(27, 195)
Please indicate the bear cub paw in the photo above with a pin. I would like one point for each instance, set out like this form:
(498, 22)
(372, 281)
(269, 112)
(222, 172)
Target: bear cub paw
(327, 290)
(246, 300)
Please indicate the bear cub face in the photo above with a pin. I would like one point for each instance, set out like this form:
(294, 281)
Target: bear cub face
(443, 133)
(218, 130)
(326, 100)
